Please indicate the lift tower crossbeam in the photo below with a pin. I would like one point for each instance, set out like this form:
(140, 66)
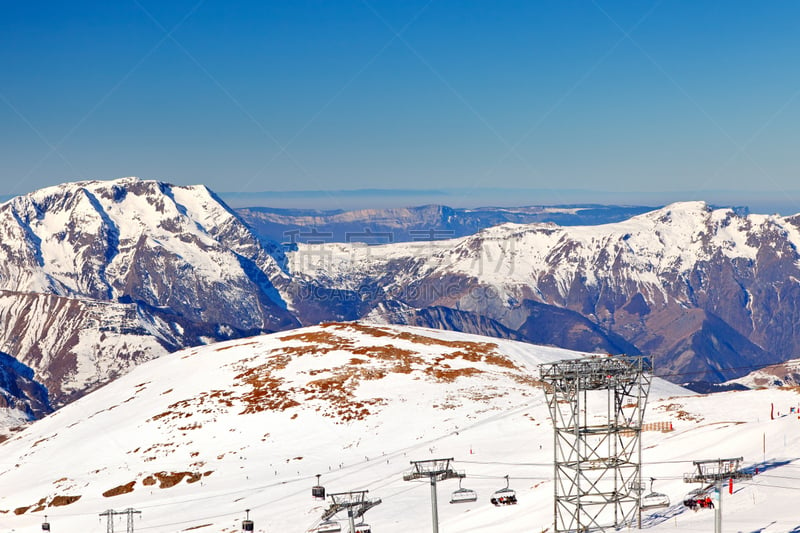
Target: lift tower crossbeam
(597, 406)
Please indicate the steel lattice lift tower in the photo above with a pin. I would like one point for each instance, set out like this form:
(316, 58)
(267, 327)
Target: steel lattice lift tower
(110, 514)
(597, 405)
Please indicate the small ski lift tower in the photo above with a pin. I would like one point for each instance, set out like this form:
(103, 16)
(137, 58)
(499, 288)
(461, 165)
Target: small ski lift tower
(654, 500)
(712, 473)
(247, 524)
(356, 504)
(504, 496)
(463, 495)
(433, 470)
(318, 491)
(45, 524)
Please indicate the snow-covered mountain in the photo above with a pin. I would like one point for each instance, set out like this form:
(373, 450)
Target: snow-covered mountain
(711, 293)
(99, 276)
(196, 437)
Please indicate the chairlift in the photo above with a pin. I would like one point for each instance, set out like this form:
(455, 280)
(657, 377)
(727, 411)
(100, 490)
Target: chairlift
(504, 496)
(247, 524)
(463, 495)
(363, 528)
(327, 526)
(698, 499)
(654, 500)
(318, 491)
(45, 524)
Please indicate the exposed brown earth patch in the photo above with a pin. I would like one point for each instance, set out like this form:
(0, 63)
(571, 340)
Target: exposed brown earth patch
(121, 489)
(60, 501)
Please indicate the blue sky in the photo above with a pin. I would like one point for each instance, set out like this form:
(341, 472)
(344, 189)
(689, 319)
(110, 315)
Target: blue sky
(669, 99)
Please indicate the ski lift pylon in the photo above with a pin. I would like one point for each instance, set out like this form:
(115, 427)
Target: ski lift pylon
(504, 496)
(463, 495)
(654, 500)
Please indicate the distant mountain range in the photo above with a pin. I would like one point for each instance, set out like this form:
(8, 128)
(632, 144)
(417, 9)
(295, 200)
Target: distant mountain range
(424, 223)
(98, 277)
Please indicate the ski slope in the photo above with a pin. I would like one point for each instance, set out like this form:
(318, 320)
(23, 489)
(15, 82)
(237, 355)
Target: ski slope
(194, 438)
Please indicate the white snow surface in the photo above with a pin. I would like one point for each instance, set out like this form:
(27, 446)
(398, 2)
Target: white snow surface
(254, 420)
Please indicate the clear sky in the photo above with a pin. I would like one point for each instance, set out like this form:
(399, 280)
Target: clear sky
(675, 96)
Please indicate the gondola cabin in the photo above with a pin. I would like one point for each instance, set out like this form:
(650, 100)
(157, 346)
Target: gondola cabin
(46, 526)
(247, 524)
(318, 491)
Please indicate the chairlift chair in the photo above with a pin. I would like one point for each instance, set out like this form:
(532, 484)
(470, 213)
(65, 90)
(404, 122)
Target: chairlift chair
(318, 491)
(363, 528)
(463, 495)
(327, 526)
(504, 496)
(654, 500)
(698, 499)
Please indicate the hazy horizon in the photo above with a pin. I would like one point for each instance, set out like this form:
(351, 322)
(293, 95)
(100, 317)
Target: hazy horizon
(467, 198)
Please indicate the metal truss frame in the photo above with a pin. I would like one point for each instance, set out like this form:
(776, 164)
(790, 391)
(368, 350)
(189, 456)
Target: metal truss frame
(597, 406)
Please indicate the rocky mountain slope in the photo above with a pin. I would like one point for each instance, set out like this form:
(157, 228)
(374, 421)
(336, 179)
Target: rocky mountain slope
(711, 293)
